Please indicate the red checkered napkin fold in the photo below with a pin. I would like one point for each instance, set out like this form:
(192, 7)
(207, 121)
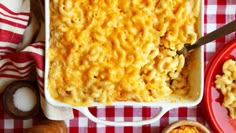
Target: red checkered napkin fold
(20, 59)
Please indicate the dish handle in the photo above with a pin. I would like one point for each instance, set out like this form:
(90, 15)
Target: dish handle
(89, 115)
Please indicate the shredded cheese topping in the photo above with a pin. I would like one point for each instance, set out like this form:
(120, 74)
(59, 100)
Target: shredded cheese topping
(119, 50)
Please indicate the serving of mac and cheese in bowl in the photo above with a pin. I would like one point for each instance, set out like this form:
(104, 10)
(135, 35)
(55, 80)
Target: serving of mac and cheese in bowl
(219, 94)
(118, 52)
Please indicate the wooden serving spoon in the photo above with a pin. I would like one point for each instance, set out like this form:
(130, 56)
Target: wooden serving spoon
(222, 31)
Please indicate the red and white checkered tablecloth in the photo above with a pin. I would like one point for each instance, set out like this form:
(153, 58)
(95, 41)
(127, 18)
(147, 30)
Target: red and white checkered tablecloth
(217, 13)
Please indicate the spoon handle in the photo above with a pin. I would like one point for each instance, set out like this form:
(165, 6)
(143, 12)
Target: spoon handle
(222, 31)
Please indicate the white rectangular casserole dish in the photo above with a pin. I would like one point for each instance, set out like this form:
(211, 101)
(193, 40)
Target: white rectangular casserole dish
(196, 79)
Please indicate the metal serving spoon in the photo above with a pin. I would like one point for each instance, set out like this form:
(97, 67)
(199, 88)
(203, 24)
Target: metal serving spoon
(222, 31)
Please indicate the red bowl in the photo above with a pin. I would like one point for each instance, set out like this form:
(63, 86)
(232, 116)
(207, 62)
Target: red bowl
(218, 115)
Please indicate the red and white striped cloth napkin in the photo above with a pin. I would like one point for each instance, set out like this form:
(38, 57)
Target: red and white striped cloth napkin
(16, 61)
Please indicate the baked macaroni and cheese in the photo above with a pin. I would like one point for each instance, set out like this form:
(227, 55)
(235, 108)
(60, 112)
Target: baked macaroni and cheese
(226, 83)
(185, 126)
(119, 50)
(186, 129)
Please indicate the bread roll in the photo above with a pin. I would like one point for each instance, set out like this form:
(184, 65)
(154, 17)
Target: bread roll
(48, 126)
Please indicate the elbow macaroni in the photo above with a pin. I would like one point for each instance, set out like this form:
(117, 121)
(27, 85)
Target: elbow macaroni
(227, 84)
(119, 50)
(186, 129)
